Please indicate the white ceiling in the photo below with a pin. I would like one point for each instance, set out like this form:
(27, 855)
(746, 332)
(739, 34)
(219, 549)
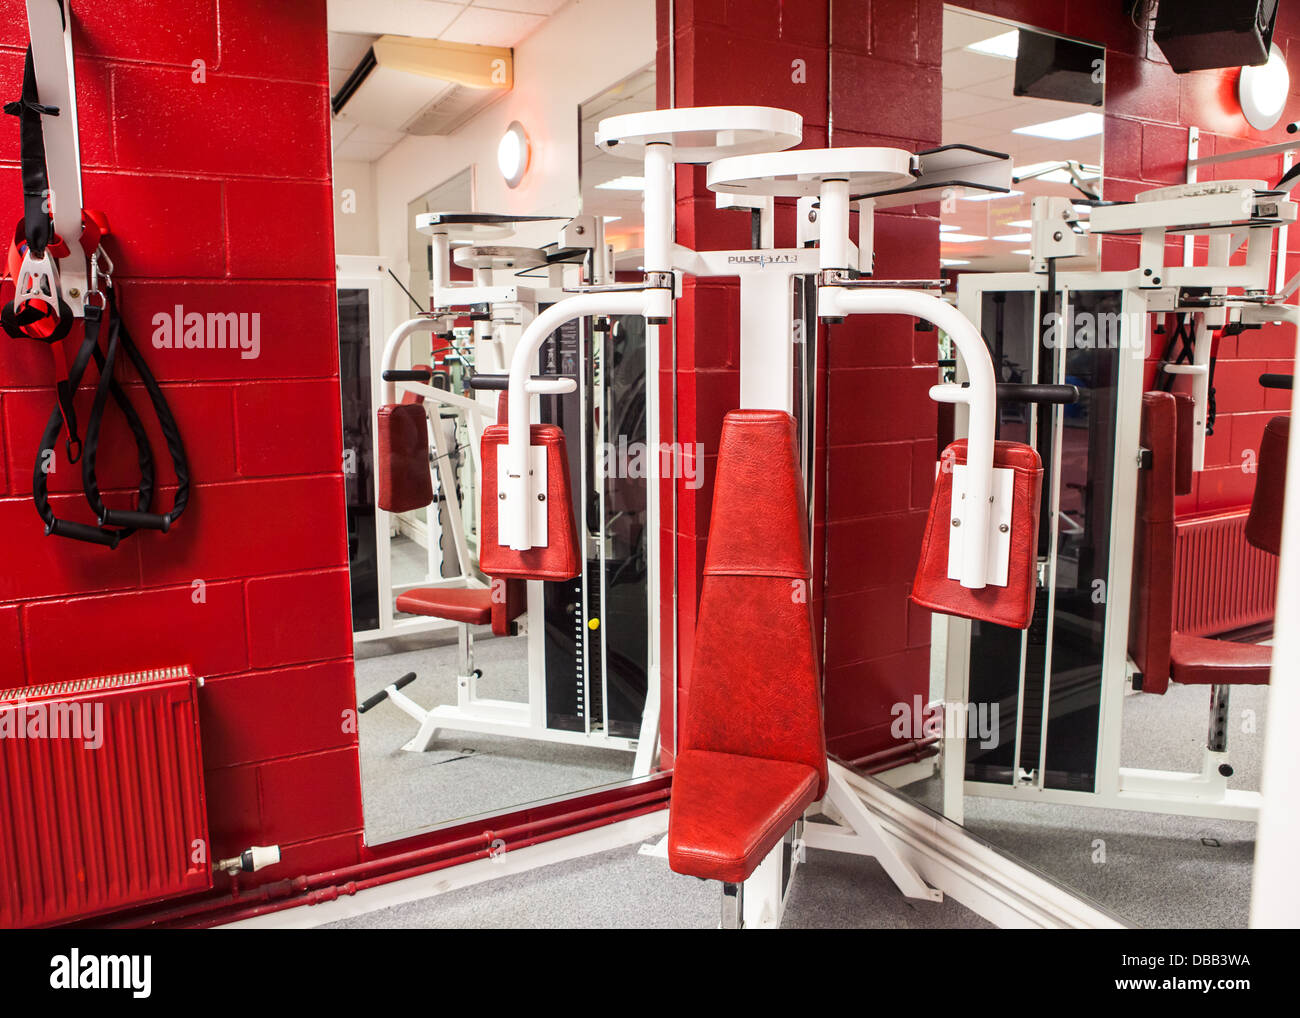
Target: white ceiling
(635, 94)
(355, 24)
(980, 109)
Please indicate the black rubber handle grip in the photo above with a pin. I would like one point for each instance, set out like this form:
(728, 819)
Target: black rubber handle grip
(137, 520)
(382, 695)
(1031, 392)
(84, 532)
(404, 375)
(1274, 381)
(488, 383)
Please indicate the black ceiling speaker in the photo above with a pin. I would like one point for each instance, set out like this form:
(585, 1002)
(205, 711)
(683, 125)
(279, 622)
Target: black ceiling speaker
(1196, 35)
(1049, 67)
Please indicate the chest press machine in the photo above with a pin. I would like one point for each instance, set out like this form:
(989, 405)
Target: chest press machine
(751, 755)
(590, 670)
(1062, 683)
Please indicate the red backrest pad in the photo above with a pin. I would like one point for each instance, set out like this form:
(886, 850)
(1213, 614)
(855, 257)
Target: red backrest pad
(1010, 605)
(403, 480)
(560, 559)
(1151, 610)
(755, 687)
(1264, 525)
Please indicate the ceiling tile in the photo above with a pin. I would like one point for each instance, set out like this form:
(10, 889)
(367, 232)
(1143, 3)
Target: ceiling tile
(486, 27)
(425, 19)
(543, 7)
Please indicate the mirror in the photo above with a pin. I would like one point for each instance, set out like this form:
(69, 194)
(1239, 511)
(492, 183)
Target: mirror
(523, 692)
(1067, 745)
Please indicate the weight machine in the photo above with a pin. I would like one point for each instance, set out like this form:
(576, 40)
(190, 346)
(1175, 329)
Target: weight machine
(1064, 681)
(592, 655)
(752, 839)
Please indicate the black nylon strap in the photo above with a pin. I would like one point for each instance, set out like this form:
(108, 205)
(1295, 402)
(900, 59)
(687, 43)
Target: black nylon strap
(40, 492)
(36, 183)
(114, 524)
(119, 337)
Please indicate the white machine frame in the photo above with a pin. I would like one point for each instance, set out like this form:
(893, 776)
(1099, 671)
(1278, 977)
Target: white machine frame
(502, 312)
(1234, 215)
(739, 144)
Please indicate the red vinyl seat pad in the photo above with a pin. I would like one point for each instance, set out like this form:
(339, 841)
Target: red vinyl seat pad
(729, 811)
(1195, 660)
(457, 604)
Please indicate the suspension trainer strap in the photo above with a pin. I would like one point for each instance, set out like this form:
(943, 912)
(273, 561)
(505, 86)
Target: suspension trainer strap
(45, 457)
(36, 185)
(141, 517)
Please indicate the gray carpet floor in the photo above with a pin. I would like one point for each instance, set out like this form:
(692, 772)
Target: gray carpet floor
(1156, 871)
(621, 889)
(465, 774)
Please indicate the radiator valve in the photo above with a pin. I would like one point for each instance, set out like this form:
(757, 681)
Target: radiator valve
(251, 860)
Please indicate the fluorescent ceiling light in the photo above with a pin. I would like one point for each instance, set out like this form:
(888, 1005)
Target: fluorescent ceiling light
(1021, 224)
(961, 238)
(623, 184)
(612, 219)
(1015, 238)
(953, 261)
(948, 228)
(1022, 251)
(1081, 125)
(1006, 45)
(991, 196)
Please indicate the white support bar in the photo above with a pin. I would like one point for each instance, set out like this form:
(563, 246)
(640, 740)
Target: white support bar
(834, 215)
(659, 191)
(394, 345)
(980, 396)
(513, 516)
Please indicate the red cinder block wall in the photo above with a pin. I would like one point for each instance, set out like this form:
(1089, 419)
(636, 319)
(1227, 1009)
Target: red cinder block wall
(873, 77)
(215, 177)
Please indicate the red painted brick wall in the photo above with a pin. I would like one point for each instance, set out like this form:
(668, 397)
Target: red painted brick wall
(874, 77)
(219, 193)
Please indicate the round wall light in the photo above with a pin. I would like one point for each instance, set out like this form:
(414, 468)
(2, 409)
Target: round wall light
(1263, 91)
(513, 154)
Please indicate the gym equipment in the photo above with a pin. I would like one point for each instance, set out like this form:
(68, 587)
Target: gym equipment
(1162, 654)
(60, 272)
(402, 478)
(553, 554)
(591, 646)
(752, 750)
(1061, 684)
(1008, 600)
(724, 831)
(497, 605)
(1264, 526)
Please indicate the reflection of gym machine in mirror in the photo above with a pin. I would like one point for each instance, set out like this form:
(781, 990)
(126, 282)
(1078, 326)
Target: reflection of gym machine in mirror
(1061, 686)
(588, 647)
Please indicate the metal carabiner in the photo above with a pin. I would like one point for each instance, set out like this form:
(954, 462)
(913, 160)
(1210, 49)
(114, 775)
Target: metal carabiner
(96, 272)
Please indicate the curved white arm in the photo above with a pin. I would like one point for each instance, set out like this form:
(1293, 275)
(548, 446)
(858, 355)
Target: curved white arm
(654, 303)
(980, 396)
(394, 345)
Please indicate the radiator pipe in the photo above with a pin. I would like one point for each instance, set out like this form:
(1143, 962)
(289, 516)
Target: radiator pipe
(272, 897)
(336, 891)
